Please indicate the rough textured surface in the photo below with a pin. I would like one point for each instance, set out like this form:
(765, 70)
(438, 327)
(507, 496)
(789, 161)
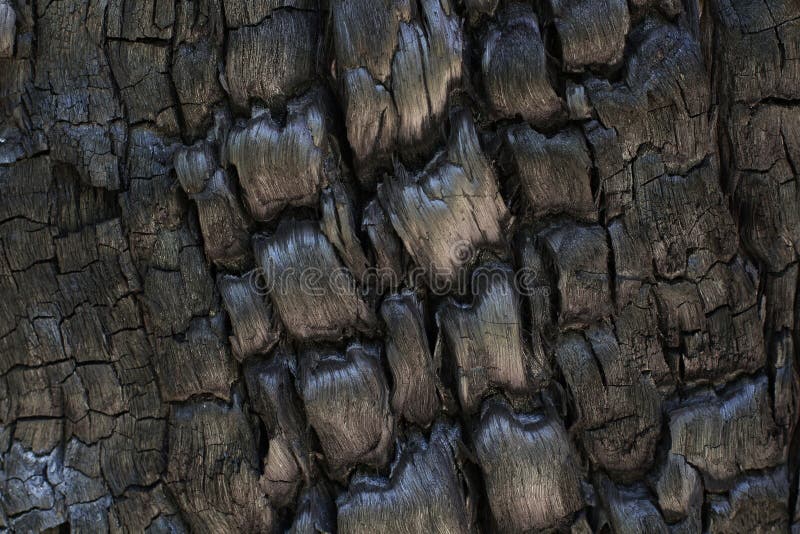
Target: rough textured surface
(524, 492)
(617, 409)
(554, 172)
(415, 393)
(346, 400)
(422, 470)
(255, 330)
(313, 294)
(281, 166)
(273, 396)
(450, 209)
(724, 435)
(591, 32)
(397, 67)
(514, 67)
(402, 266)
(269, 59)
(224, 224)
(484, 338)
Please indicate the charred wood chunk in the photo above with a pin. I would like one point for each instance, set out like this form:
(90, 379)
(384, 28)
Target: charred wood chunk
(765, 186)
(719, 336)
(95, 150)
(255, 330)
(271, 390)
(615, 173)
(313, 294)
(734, 285)
(780, 290)
(90, 425)
(142, 72)
(679, 488)
(640, 339)
(372, 141)
(346, 400)
(251, 12)
(223, 223)
(387, 249)
(514, 67)
(757, 503)
(339, 226)
(222, 220)
(174, 298)
(282, 166)
(679, 226)
(29, 499)
(592, 32)
(784, 384)
(662, 102)
(366, 34)
(398, 66)
(553, 172)
(40, 435)
(316, 511)
(449, 210)
(153, 206)
(629, 508)
(680, 310)
(213, 469)
(79, 109)
(426, 67)
(618, 408)
(100, 253)
(32, 343)
(133, 455)
(529, 468)
(486, 7)
(140, 19)
(142, 509)
(535, 281)
(485, 338)
(26, 243)
(199, 363)
(579, 257)
(424, 491)
(762, 35)
(196, 55)
(272, 59)
(27, 186)
(103, 391)
(8, 19)
(34, 392)
(195, 165)
(415, 382)
(726, 434)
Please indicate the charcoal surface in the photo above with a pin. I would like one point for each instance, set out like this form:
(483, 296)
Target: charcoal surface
(399, 266)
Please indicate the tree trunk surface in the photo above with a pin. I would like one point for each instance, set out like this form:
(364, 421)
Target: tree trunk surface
(399, 266)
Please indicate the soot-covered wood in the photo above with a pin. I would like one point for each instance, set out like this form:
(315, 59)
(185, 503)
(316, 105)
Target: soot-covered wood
(467, 266)
(425, 481)
(484, 338)
(313, 293)
(450, 209)
(524, 492)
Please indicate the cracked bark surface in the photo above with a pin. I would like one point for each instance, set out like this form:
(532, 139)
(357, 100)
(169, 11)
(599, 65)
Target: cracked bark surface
(399, 265)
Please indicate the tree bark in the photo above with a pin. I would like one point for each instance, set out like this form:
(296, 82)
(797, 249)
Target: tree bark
(401, 266)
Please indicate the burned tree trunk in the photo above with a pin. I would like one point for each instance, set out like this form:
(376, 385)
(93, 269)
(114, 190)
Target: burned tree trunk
(402, 266)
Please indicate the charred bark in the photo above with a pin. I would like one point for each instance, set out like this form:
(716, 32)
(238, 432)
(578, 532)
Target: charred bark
(402, 266)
